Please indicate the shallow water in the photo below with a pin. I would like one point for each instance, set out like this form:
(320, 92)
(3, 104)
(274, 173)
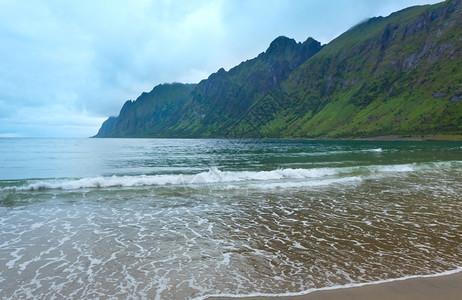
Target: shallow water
(183, 219)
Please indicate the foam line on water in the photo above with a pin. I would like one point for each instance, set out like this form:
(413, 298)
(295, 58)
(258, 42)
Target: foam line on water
(214, 175)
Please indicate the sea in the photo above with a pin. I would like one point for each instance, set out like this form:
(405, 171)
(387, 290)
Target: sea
(193, 218)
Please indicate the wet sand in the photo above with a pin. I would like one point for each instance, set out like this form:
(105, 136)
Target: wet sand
(448, 287)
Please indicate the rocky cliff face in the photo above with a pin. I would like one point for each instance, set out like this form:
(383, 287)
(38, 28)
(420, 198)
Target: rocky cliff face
(398, 75)
(107, 127)
(387, 76)
(210, 107)
(224, 97)
(151, 113)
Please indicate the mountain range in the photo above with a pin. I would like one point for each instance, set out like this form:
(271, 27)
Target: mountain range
(399, 75)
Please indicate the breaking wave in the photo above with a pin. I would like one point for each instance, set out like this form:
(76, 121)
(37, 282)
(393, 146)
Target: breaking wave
(292, 177)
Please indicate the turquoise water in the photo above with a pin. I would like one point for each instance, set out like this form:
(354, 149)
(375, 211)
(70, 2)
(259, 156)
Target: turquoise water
(183, 219)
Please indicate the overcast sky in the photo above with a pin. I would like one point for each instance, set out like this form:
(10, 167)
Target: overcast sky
(65, 66)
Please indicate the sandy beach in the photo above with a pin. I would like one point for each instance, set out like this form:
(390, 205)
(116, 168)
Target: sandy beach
(448, 287)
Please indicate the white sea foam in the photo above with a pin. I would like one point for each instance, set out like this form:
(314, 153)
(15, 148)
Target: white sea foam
(212, 176)
(302, 184)
(285, 177)
(179, 246)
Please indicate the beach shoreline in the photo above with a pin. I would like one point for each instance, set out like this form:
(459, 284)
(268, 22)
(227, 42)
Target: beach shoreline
(447, 285)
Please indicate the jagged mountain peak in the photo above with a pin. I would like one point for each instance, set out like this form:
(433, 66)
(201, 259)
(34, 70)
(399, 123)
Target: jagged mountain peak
(395, 75)
(280, 45)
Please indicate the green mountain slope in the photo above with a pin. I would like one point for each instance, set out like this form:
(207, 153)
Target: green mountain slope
(399, 75)
(151, 114)
(224, 97)
(215, 103)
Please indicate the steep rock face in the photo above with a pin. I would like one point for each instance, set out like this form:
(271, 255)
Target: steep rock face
(150, 114)
(386, 76)
(398, 75)
(106, 127)
(224, 97)
(211, 107)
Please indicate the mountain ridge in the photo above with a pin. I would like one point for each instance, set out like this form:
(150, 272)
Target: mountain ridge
(395, 75)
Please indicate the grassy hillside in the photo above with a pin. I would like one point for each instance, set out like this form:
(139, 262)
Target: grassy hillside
(151, 113)
(400, 75)
(224, 97)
